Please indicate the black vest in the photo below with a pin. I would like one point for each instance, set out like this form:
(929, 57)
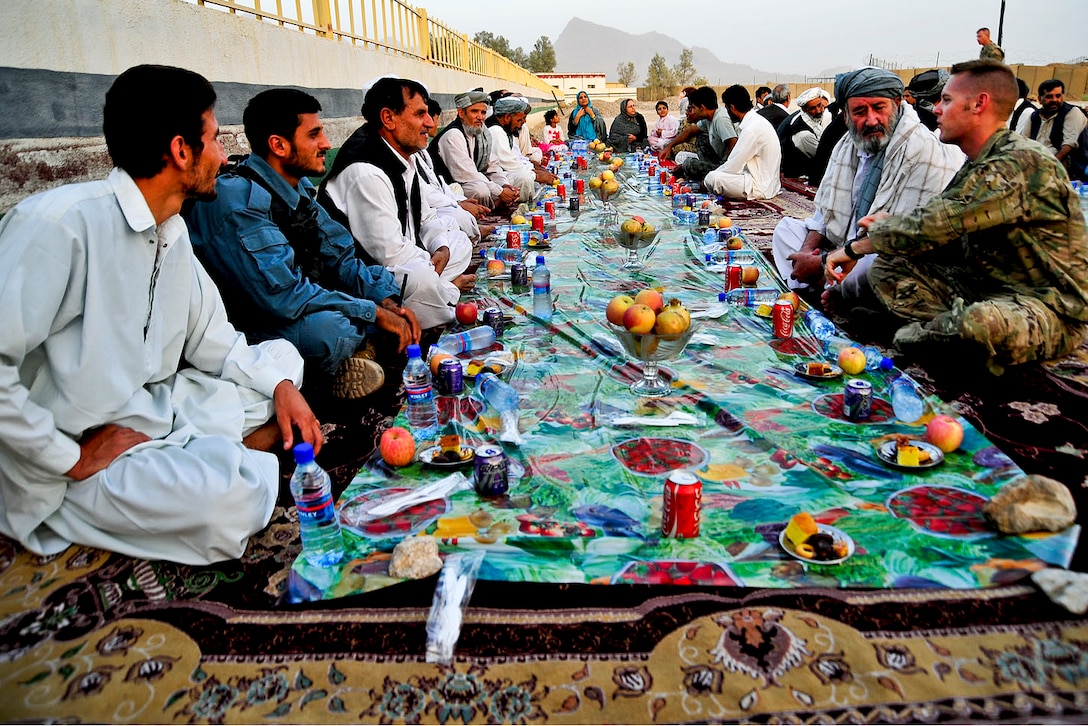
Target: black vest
(1057, 129)
(366, 147)
(794, 161)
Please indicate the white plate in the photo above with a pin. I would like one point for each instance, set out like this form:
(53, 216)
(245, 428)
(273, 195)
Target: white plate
(835, 532)
(886, 452)
(801, 369)
(427, 457)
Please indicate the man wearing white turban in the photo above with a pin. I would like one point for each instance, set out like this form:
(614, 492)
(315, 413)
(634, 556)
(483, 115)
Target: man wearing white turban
(800, 133)
(462, 154)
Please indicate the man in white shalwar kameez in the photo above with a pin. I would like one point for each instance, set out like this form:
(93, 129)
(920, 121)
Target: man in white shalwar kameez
(505, 125)
(462, 154)
(125, 393)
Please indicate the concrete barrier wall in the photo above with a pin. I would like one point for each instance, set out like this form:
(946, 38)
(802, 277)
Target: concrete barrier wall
(58, 57)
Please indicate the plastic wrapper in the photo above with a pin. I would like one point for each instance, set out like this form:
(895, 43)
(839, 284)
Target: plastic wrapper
(451, 596)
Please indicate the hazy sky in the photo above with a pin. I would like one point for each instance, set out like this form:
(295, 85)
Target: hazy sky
(803, 36)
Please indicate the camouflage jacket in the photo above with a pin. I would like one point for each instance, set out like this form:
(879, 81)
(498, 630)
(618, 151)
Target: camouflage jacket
(992, 51)
(1011, 218)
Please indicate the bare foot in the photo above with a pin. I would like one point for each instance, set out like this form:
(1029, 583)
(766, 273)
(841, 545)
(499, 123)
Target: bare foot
(486, 230)
(465, 283)
(264, 438)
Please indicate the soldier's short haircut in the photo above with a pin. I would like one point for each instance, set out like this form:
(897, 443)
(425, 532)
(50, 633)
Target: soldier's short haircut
(1049, 85)
(993, 77)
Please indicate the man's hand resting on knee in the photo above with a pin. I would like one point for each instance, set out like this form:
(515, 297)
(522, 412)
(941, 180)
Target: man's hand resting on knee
(98, 447)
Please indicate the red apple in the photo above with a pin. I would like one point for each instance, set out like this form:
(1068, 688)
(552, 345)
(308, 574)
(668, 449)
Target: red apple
(466, 313)
(651, 298)
(851, 360)
(397, 446)
(639, 318)
(617, 307)
(945, 433)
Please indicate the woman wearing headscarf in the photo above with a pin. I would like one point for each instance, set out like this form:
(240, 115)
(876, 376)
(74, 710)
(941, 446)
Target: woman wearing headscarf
(628, 128)
(586, 122)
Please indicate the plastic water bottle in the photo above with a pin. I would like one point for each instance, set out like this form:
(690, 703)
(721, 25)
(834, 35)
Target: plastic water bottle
(420, 407)
(818, 324)
(752, 297)
(875, 360)
(506, 254)
(542, 290)
(710, 236)
(482, 336)
(502, 397)
(906, 403)
(322, 541)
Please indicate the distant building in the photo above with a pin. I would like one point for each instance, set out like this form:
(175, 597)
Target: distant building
(568, 85)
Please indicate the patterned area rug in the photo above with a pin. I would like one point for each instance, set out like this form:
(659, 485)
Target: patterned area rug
(97, 637)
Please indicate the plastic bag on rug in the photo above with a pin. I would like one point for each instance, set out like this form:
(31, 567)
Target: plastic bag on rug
(451, 596)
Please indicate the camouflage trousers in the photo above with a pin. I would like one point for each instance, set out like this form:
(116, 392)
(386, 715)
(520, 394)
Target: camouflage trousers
(697, 169)
(1012, 326)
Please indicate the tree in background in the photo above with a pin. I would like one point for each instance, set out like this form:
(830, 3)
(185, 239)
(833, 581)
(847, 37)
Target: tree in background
(542, 56)
(683, 73)
(501, 45)
(626, 73)
(659, 77)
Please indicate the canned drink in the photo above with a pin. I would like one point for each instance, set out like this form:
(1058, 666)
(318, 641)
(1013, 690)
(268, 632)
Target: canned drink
(493, 318)
(781, 319)
(519, 274)
(857, 400)
(733, 275)
(490, 471)
(562, 191)
(537, 220)
(651, 170)
(704, 218)
(513, 239)
(575, 205)
(664, 177)
(580, 186)
(549, 209)
(692, 199)
(682, 505)
(451, 380)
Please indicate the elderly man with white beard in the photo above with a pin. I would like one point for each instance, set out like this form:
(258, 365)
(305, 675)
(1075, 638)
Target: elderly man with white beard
(462, 154)
(800, 133)
(887, 161)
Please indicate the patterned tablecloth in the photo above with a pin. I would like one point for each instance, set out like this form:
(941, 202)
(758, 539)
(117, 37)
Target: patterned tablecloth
(584, 503)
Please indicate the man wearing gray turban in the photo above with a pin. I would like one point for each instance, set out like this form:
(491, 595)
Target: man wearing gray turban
(505, 126)
(462, 154)
(887, 161)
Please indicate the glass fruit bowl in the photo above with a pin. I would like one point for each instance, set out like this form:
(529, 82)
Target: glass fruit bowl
(649, 349)
(636, 234)
(606, 192)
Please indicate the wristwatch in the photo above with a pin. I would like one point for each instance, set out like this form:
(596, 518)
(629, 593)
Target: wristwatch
(849, 250)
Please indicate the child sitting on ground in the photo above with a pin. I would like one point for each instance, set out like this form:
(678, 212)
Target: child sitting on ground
(554, 135)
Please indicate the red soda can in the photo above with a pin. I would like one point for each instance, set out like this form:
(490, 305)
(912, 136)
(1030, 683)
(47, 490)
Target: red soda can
(561, 190)
(537, 220)
(664, 177)
(513, 238)
(580, 186)
(549, 207)
(782, 319)
(682, 505)
(651, 171)
(733, 274)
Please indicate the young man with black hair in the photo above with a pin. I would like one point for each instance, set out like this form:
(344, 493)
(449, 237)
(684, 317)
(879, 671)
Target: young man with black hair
(752, 170)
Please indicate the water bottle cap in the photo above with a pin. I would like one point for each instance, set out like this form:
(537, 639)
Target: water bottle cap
(304, 453)
(886, 364)
(707, 257)
(540, 259)
(413, 351)
(721, 297)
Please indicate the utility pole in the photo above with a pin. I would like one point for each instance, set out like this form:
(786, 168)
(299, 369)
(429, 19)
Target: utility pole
(1001, 26)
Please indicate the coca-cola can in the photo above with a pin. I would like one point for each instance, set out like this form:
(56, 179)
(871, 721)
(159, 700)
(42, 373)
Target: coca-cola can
(651, 170)
(490, 471)
(575, 205)
(519, 275)
(580, 186)
(513, 239)
(493, 318)
(561, 190)
(451, 380)
(549, 209)
(733, 275)
(664, 177)
(682, 505)
(857, 400)
(537, 220)
(782, 319)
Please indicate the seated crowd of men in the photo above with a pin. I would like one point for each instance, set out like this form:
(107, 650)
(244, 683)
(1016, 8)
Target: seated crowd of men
(158, 323)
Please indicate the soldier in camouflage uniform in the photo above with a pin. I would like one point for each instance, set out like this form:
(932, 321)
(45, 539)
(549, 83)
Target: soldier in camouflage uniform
(999, 260)
(990, 50)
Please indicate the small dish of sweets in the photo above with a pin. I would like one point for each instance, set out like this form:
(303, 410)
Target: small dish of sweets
(809, 541)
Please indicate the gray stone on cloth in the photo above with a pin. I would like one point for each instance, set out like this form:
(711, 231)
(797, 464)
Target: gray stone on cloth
(1032, 504)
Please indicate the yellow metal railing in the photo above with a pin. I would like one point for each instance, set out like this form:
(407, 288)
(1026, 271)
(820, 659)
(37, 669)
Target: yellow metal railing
(391, 26)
